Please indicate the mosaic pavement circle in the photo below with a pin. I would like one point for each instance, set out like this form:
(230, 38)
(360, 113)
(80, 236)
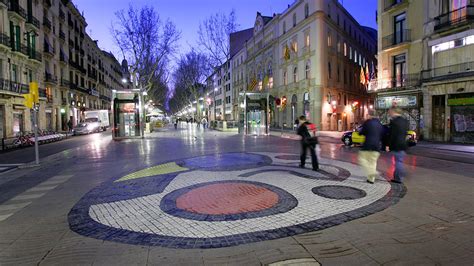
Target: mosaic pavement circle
(228, 199)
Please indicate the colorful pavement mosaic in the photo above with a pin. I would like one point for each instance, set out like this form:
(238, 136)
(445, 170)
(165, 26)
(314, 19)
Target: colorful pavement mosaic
(228, 199)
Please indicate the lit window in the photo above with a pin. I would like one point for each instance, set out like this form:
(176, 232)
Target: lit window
(345, 49)
(329, 39)
(307, 70)
(307, 39)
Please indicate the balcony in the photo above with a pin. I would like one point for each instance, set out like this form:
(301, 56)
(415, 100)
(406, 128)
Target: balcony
(396, 38)
(71, 43)
(62, 16)
(449, 72)
(395, 83)
(70, 23)
(49, 78)
(62, 57)
(62, 36)
(5, 3)
(15, 87)
(16, 10)
(35, 55)
(74, 64)
(389, 4)
(31, 20)
(46, 23)
(4, 40)
(21, 48)
(105, 98)
(48, 49)
(454, 18)
(81, 34)
(65, 83)
(73, 86)
(63, 101)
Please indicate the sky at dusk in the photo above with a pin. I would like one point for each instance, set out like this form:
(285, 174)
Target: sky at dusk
(187, 15)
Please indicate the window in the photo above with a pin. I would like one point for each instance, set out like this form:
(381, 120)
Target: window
(294, 45)
(285, 78)
(338, 44)
(227, 99)
(306, 11)
(350, 53)
(399, 70)
(345, 49)
(399, 28)
(14, 73)
(294, 20)
(284, 27)
(306, 39)
(338, 74)
(329, 39)
(307, 72)
(295, 74)
(345, 77)
(270, 71)
(329, 70)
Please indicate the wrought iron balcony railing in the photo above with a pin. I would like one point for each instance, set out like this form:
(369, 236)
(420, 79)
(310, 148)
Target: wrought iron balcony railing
(402, 82)
(11, 86)
(4, 39)
(33, 21)
(396, 38)
(50, 78)
(455, 17)
(46, 23)
(15, 7)
(449, 72)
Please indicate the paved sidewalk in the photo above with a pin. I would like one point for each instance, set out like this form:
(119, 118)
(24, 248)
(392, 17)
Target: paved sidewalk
(204, 198)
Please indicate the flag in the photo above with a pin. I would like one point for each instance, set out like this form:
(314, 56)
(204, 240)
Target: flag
(362, 76)
(265, 81)
(367, 75)
(286, 54)
(253, 84)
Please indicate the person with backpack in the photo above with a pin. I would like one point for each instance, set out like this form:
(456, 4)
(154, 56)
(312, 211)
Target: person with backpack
(307, 142)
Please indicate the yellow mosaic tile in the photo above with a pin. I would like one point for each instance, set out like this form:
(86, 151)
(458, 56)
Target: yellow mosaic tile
(161, 169)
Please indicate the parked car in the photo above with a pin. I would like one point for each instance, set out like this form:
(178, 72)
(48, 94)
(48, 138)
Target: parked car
(86, 128)
(354, 137)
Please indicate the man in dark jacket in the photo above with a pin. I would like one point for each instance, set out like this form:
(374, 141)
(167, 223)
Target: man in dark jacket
(372, 129)
(398, 143)
(307, 142)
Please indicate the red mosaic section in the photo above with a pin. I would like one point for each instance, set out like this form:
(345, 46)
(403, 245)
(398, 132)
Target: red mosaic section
(228, 198)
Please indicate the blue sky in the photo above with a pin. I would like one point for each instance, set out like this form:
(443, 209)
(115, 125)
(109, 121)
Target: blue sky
(187, 14)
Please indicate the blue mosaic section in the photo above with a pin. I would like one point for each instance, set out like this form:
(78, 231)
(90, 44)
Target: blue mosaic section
(226, 161)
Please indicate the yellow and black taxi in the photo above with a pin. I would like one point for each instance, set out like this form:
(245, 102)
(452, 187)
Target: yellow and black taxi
(354, 137)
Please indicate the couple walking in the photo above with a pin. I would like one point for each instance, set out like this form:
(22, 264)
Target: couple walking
(373, 131)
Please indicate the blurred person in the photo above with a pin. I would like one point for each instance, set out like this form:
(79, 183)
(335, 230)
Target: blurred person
(307, 142)
(398, 144)
(373, 131)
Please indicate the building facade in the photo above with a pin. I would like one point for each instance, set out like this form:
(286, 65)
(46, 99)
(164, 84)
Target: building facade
(425, 66)
(314, 59)
(46, 42)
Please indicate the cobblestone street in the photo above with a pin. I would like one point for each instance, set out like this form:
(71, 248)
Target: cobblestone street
(191, 197)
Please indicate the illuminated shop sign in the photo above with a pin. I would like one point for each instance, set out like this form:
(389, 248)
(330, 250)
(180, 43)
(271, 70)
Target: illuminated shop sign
(398, 101)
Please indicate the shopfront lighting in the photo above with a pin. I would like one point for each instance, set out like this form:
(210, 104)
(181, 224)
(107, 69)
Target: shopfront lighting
(371, 107)
(124, 80)
(63, 111)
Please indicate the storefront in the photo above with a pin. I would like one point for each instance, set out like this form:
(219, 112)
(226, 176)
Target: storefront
(462, 117)
(410, 104)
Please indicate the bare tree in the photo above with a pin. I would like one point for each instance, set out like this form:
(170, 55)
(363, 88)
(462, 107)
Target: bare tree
(214, 37)
(147, 43)
(189, 78)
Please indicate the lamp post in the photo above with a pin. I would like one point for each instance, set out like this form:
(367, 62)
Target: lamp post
(215, 115)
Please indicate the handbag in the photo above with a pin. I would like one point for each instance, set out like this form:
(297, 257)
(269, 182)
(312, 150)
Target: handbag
(312, 140)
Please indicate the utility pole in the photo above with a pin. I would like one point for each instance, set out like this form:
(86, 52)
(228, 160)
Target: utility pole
(32, 102)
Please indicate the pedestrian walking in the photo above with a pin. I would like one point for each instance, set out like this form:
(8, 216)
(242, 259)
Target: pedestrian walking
(69, 125)
(373, 130)
(204, 122)
(176, 123)
(307, 142)
(398, 144)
